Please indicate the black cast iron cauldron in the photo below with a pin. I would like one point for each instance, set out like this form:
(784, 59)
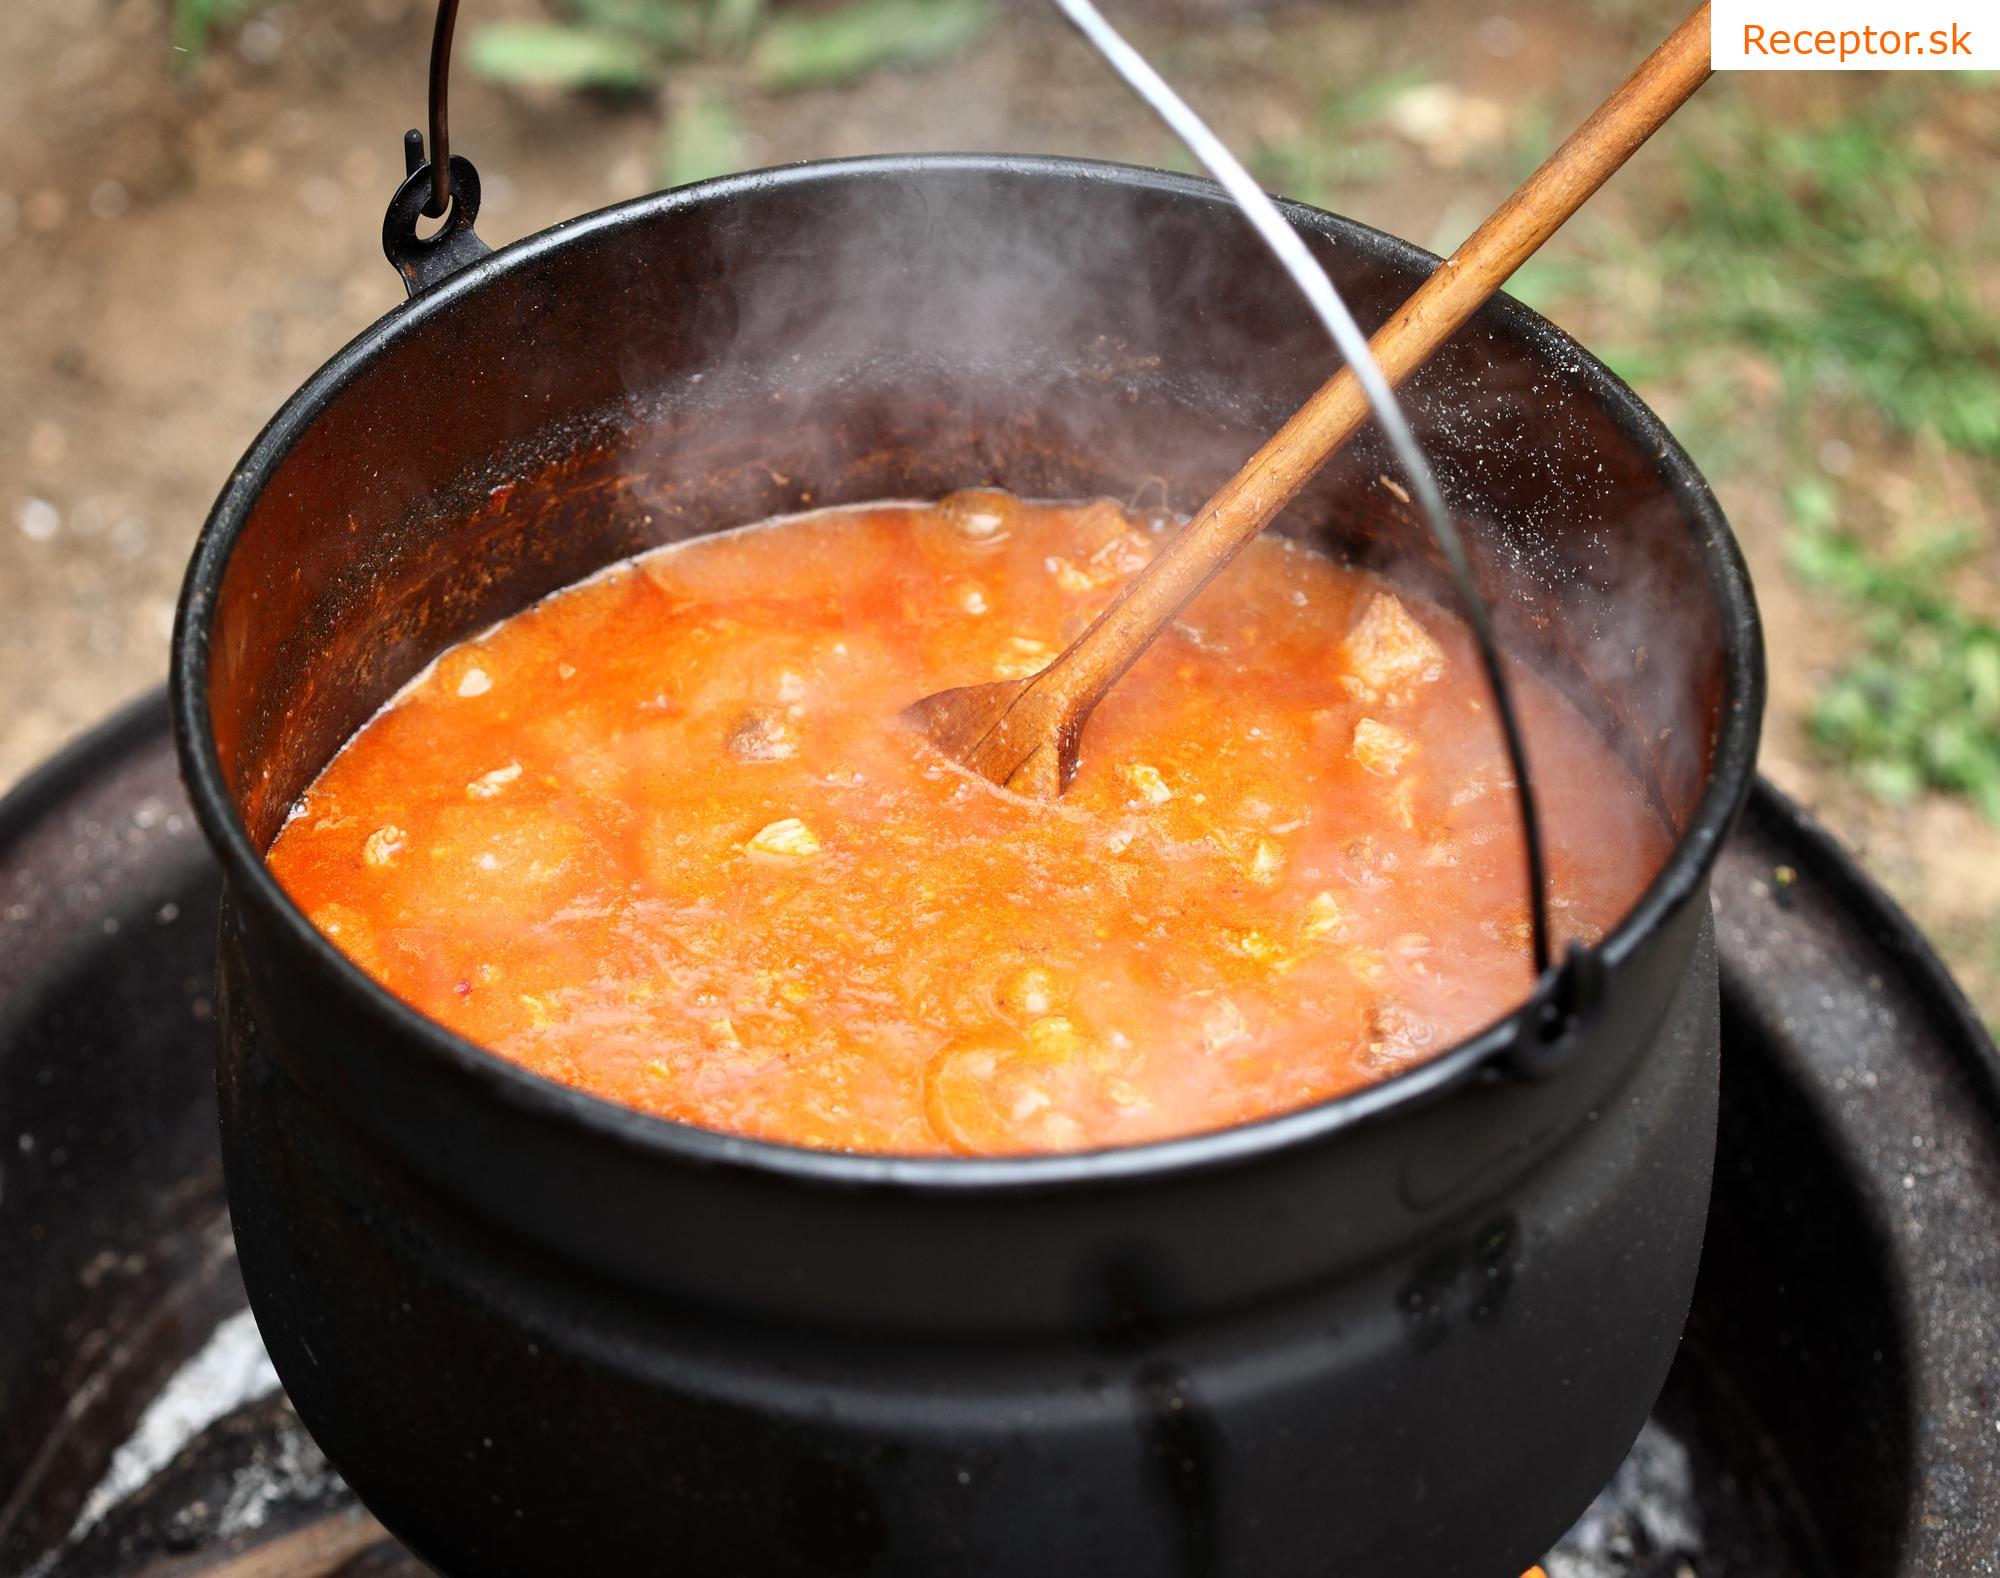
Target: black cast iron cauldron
(1408, 1331)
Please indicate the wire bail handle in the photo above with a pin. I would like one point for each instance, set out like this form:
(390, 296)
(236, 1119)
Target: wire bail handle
(447, 19)
(1565, 988)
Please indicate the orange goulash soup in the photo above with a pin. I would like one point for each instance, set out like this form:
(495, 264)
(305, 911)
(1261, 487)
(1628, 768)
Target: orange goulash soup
(660, 837)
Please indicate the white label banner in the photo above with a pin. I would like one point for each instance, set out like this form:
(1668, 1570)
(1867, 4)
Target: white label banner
(1855, 35)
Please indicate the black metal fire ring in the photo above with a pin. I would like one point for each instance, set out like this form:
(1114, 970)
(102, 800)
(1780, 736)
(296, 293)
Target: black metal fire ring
(1839, 1389)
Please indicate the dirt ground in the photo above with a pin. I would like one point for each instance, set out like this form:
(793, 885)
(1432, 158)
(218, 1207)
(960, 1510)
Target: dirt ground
(179, 248)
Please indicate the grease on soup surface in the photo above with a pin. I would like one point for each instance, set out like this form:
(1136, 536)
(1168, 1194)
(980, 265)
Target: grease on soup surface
(661, 838)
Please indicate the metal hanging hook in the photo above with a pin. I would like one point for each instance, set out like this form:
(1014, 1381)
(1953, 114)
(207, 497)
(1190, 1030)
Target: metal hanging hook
(437, 184)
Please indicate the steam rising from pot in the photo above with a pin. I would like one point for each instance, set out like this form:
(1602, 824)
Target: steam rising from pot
(1017, 279)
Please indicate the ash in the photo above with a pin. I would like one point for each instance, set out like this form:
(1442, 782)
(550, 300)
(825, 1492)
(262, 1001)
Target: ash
(1645, 1524)
(219, 1456)
(286, 1471)
(230, 1370)
(218, 1459)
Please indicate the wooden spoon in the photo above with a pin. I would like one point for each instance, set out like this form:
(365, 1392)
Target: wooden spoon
(1023, 732)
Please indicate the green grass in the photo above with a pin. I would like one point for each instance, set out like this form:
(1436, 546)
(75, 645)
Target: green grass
(1342, 151)
(1818, 247)
(196, 20)
(1809, 253)
(1812, 255)
(648, 46)
(701, 137)
(806, 49)
(1919, 707)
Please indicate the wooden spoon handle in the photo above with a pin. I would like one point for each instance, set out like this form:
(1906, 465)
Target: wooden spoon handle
(1073, 684)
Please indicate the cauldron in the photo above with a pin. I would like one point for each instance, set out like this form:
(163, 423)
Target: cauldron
(1411, 1330)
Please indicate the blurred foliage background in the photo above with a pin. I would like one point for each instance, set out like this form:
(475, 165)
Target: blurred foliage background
(1802, 275)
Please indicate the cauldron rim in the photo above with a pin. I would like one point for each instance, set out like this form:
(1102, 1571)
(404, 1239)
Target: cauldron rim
(1680, 879)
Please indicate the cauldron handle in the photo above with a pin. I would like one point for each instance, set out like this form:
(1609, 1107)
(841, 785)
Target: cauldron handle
(1548, 1031)
(434, 186)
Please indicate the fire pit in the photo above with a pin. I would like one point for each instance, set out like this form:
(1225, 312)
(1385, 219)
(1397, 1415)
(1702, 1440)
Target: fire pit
(1831, 1411)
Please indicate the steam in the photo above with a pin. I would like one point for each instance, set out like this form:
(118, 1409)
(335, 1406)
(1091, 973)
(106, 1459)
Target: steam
(1326, 302)
(984, 306)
